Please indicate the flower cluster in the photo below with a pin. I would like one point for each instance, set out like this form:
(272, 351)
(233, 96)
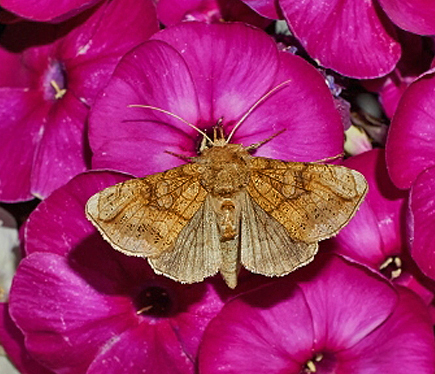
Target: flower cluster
(94, 93)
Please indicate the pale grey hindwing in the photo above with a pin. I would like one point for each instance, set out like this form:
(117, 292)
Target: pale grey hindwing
(196, 253)
(266, 247)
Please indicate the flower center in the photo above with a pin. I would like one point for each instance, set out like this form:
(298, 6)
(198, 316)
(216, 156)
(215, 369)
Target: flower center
(154, 301)
(310, 365)
(321, 363)
(391, 267)
(54, 81)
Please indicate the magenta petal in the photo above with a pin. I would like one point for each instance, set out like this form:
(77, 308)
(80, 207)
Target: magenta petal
(47, 10)
(144, 349)
(361, 239)
(12, 340)
(91, 51)
(65, 210)
(19, 141)
(267, 8)
(376, 231)
(304, 109)
(57, 334)
(404, 344)
(325, 29)
(61, 153)
(411, 137)
(152, 74)
(422, 200)
(368, 303)
(232, 65)
(416, 16)
(268, 331)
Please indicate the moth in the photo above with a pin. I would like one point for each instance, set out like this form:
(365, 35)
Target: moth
(226, 209)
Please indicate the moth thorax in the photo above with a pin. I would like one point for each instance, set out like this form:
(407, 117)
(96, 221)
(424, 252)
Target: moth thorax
(226, 169)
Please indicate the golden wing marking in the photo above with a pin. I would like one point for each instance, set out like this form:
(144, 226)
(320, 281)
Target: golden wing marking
(266, 247)
(143, 217)
(312, 201)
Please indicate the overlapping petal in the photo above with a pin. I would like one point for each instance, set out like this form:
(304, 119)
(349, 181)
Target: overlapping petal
(415, 16)
(422, 221)
(267, 8)
(411, 137)
(12, 341)
(47, 10)
(354, 38)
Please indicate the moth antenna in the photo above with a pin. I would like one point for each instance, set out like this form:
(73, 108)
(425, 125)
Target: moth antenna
(183, 157)
(172, 115)
(332, 158)
(259, 144)
(254, 106)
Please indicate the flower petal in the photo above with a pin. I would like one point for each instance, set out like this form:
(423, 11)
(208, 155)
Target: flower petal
(404, 343)
(47, 10)
(64, 209)
(68, 315)
(376, 230)
(347, 302)
(303, 108)
(411, 136)
(21, 112)
(267, 8)
(422, 222)
(325, 28)
(150, 349)
(12, 340)
(90, 52)
(232, 65)
(152, 74)
(415, 16)
(326, 307)
(265, 331)
(61, 153)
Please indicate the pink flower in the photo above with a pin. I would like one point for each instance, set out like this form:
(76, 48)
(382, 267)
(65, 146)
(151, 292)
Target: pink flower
(202, 73)
(47, 10)
(411, 160)
(330, 317)
(85, 308)
(49, 77)
(411, 137)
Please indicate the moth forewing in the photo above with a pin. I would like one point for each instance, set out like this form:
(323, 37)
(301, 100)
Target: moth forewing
(144, 216)
(312, 201)
(103, 220)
